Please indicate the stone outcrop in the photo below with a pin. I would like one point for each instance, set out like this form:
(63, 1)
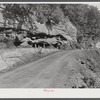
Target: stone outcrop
(66, 29)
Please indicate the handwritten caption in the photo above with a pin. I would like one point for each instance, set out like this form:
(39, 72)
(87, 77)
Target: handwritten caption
(48, 90)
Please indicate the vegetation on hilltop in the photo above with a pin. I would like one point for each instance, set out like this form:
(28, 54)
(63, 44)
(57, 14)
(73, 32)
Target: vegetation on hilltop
(84, 17)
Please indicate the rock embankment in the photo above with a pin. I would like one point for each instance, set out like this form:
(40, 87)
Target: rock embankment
(11, 58)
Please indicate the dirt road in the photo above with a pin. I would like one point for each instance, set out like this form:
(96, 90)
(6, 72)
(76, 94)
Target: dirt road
(39, 74)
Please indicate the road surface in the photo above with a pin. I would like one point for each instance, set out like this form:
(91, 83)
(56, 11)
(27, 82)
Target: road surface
(39, 74)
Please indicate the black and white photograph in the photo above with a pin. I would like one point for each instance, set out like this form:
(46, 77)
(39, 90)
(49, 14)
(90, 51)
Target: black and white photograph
(49, 45)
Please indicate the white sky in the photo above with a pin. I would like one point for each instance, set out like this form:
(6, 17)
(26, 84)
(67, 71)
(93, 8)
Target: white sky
(96, 5)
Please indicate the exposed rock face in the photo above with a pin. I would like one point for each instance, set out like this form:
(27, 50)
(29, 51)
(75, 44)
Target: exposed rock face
(60, 34)
(41, 27)
(24, 44)
(71, 30)
(98, 44)
(66, 29)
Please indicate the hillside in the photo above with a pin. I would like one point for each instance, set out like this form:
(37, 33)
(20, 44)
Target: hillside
(49, 46)
(79, 70)
(60, 35)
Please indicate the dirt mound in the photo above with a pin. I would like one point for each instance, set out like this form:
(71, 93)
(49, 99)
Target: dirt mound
(80, 70)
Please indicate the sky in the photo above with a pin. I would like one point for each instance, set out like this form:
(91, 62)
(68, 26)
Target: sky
(96, 5)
